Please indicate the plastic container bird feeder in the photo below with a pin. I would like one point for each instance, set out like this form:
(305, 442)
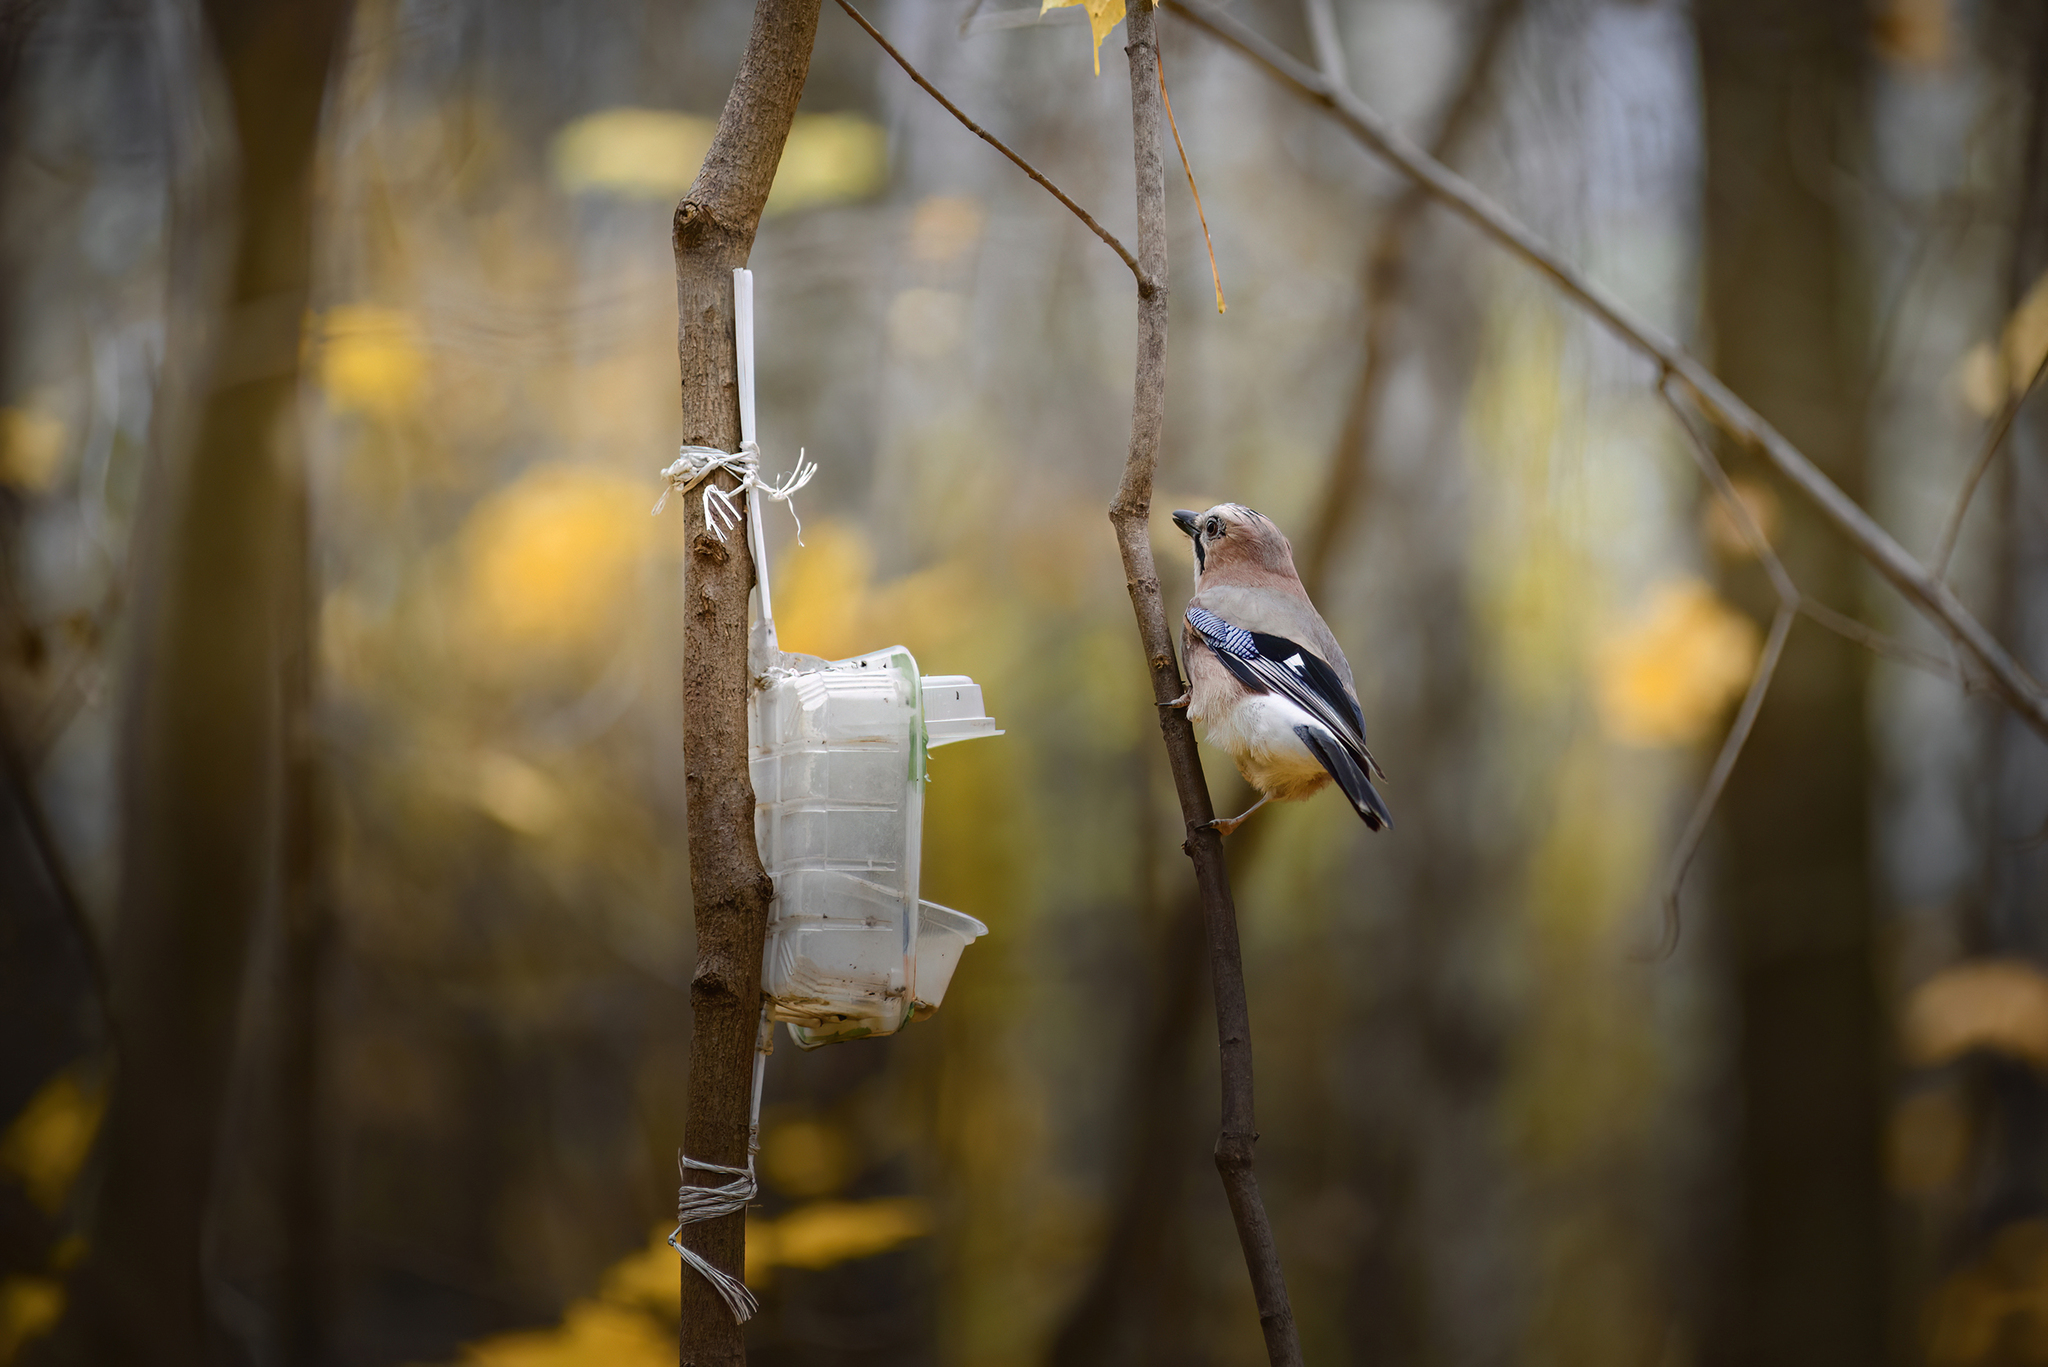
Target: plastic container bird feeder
(837, 755)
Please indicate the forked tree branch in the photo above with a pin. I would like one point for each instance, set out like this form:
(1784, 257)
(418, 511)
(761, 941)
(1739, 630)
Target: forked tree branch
(1924, 590)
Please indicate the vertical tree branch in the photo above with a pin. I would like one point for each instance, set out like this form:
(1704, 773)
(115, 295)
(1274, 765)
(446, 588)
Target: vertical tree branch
(713, 235)
(1130, 515)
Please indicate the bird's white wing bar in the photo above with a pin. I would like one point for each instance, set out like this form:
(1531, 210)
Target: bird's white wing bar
(1274, 664)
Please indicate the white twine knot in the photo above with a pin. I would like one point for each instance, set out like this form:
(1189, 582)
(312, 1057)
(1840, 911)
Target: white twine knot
(709, 1203)
(722, 507)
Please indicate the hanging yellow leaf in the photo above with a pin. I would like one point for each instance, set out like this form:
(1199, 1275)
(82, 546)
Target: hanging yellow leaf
(1103, 15)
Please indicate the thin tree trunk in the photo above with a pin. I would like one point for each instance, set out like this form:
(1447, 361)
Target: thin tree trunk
(1130, 515)
(204, 761)
(730, 891)
(1809, 1269)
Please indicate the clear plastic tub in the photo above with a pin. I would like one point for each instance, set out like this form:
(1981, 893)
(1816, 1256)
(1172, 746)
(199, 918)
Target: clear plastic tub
(838, 763)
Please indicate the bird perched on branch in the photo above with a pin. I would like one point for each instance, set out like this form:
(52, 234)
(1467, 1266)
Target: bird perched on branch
(1266, 679)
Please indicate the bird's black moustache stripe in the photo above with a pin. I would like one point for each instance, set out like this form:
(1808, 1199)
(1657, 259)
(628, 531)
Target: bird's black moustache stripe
(1201, 558)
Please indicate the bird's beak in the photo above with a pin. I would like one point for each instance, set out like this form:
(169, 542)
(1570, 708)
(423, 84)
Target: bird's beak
(1185, 520)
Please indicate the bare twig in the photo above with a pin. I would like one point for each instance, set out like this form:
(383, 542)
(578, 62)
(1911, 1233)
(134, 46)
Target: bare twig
(1789, 599)
(1792, 602)
(1130, 515)
(993, 141)
(1328, 42)
(2010, 410)
(1717, 778)
(1890, 647)
(1927, 593)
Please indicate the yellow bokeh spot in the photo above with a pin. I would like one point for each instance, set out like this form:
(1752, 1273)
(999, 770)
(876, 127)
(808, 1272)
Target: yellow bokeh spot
(830, 159)
(638, 153)
(825, 1233)
(1995, 1004)
(31, 448)
(656, 153)
(48, 1141)
(1666, 676)
(806, 1158)
(518, 794)
(29, 1308)
(592, 1334)
(820, 592)
(551, 561)
(1988, 374)
(630, 1322)
(945, 228)
(372, 360)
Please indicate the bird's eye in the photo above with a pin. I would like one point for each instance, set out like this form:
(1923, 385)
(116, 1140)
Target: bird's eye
(1214, 527)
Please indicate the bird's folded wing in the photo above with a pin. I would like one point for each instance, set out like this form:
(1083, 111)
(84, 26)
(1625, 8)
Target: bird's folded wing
(1274, 664)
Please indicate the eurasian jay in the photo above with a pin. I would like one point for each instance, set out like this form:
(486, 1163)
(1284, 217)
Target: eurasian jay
(1266, 679)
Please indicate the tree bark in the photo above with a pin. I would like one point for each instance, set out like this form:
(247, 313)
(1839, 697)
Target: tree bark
(1809, 1266)
(730, 891)
(204, 745)
(1130, 515)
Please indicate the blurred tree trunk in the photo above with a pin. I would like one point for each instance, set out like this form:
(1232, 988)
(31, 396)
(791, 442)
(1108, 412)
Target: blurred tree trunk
(1807, 1256)
(204, 768)
(713, 235)
(2010, 1183)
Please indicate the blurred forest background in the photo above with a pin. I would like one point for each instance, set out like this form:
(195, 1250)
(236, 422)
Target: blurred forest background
(337, 353)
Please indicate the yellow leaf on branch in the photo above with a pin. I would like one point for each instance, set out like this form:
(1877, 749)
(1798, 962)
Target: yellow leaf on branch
(1103, 15)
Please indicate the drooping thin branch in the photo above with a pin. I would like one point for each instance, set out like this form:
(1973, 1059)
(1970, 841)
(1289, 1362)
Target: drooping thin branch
(1717, 779)
(993, 141)
(1792, 602)
(1789, 599)
(1877, 643)
(1130, 515)
(1945, 550)
(1215, 276)
(1877, 547)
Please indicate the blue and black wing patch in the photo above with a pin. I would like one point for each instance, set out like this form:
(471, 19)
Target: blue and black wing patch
(1266, 663)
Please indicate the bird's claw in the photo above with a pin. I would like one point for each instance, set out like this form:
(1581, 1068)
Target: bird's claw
(1179, 704)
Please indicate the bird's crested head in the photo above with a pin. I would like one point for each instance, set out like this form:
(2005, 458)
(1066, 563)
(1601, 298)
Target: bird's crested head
(1233, 541)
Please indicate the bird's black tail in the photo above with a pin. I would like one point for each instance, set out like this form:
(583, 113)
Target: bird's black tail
(1350, 776)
